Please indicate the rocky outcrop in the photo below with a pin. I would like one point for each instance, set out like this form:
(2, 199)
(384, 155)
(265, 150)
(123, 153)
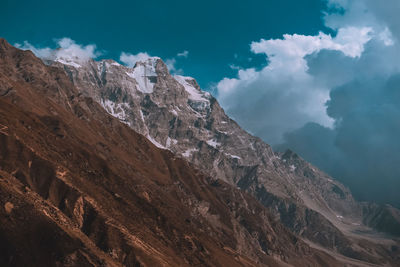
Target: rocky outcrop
(382, 217)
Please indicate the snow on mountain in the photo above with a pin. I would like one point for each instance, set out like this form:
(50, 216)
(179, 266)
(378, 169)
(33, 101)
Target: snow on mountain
(145, 74)
(68, 62)
(194, 93)
(213, 143)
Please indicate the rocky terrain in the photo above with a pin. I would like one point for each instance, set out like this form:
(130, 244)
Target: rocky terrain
(80, 188)
(94, 171)
(174, 114)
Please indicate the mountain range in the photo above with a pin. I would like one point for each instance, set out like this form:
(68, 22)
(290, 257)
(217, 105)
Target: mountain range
(105, 165)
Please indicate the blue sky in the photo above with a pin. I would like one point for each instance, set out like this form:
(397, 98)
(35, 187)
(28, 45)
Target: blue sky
(320, 77)
(212, 31)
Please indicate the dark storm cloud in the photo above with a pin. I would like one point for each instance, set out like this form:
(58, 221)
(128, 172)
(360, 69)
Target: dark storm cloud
(362, 150)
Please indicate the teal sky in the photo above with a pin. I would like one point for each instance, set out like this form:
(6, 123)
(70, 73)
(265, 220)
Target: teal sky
(212, 31)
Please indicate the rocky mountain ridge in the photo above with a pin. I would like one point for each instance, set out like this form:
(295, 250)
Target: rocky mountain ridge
(174, 114)
(80, 188)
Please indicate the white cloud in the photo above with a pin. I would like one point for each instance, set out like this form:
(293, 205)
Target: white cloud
(69, 49)
(130, 60)
(171, 65)
(66, 49)
(184, 54)
(386, 37)
(290, 51)
(234, 67)
(357, 70)
(45, 53)
(287, 93)
(283, 96)
(171, 62)
(364, 102)
(382, 18)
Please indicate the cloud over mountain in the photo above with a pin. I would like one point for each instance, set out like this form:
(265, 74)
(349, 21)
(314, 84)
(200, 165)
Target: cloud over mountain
(283, 95)
(333, 99)
(66, 48)
(130, 59)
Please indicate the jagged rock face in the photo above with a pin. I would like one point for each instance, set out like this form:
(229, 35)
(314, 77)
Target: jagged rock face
(382, 217)
(174, 114)
(79, 188)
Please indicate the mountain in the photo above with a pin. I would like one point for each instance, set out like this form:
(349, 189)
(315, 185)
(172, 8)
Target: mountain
(80, 188)
(175, 115)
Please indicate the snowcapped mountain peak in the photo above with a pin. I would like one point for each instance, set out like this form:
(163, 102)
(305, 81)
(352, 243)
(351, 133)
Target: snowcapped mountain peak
(150, 61)
(192, 88)
(72, 61)
(145, 74)
(110, 62)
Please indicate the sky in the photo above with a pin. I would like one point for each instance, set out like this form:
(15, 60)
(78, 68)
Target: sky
(211, 31)
(320, 77)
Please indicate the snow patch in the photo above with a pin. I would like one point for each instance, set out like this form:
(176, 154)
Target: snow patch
(213, 143)
(292, 168)
(141, 115)
(233, 156)
(157, 144)
(144, 74)
(194, 94)
(170, 141)
(174, 112)
(69, 62)
(189, 152)
(115, 110)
